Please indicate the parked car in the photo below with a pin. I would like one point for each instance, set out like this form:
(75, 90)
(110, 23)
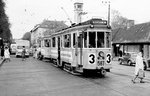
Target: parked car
(146, 63)
(128, 58)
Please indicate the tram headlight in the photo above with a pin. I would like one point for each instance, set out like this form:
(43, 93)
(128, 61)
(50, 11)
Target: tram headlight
(91, 26)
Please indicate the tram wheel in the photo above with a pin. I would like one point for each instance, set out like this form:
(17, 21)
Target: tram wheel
(103, 72)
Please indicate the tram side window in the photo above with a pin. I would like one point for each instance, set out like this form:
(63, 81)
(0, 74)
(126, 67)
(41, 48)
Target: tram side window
(74, 39)
(100, 39)
(46, 42)
(108, 40)
(49, 42)
(80, 40)
(53, 42)
(92, 37)
(85, 39)
(67, 41)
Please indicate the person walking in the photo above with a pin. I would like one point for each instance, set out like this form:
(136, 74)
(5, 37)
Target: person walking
(139, 68)
(2, 52)
(35, 52)
(6, 54)
(23, 53)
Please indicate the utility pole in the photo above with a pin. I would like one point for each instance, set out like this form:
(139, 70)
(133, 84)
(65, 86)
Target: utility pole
(108, 2)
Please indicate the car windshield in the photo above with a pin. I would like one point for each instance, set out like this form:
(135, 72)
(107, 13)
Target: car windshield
(131, 54)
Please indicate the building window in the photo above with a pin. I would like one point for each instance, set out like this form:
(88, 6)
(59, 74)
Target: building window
(79, 6)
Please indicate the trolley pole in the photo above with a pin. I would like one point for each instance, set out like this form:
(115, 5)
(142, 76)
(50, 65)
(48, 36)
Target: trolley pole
(109, 13)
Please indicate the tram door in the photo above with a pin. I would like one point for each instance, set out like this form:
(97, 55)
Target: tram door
(59, 57)
(80, 46)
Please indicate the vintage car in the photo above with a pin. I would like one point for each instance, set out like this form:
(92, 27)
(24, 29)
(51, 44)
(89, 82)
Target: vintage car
(128, 58)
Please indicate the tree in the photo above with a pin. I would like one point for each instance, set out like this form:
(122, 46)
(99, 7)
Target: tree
(4, 24)
(27, 36)
(53, 25)
(118, 21)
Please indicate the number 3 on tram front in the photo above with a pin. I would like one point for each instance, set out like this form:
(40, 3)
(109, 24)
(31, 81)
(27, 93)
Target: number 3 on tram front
(91, 58)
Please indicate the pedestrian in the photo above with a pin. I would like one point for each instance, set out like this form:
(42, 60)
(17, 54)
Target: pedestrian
(120, 53)
(23, 53)
(139, 68)
(2, 52)
(6, 54)
(35, 53)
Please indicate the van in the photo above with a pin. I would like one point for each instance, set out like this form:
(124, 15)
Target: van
(19, 47)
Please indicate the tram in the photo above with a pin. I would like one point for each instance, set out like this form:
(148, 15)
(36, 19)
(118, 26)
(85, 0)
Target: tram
(82, 47)
(45, 48)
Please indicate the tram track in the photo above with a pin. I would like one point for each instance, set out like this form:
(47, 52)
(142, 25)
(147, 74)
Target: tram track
(114, 73)
(93, 80)
(98, 83)
(129, 76)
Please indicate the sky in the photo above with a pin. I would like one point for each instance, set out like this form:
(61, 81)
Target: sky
(25, 14)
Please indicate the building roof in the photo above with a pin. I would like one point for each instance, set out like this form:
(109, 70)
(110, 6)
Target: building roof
(139, 33)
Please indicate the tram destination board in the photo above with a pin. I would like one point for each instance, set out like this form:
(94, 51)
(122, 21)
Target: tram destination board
(98, 22)
(95, 22)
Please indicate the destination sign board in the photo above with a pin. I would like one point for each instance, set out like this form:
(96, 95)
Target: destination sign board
(95, 21)
(98, 22)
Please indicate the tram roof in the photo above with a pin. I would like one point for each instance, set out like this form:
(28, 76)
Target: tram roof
(96, 22)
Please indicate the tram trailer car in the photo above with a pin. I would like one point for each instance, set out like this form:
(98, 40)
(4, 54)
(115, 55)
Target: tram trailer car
(83, 47)
(45, 48)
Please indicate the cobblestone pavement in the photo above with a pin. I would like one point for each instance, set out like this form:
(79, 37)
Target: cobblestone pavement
(38, 78)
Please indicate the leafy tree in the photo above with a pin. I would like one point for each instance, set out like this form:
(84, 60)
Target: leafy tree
(4, 24)
(53, 25)
(118, 21)
(27, 36)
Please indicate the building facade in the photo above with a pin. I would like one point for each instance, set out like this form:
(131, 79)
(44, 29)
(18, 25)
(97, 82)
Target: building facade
(37, 33)
(133, 39)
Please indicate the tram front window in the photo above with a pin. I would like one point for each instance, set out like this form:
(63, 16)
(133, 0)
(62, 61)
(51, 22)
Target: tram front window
(100, 39)
(108, 40)
(92, 38)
